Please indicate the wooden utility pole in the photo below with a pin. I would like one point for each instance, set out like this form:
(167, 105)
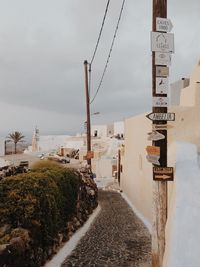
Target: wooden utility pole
(119, 166)
(88, 113)
(159, 187)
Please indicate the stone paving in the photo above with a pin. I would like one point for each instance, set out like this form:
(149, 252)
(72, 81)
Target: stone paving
(117, 238)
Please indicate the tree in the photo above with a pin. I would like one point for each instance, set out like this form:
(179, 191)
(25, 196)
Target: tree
(16, 137)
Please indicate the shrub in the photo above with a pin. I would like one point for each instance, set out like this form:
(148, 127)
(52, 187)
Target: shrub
(40, 201)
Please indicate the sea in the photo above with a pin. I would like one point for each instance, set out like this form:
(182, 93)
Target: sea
(28, 134)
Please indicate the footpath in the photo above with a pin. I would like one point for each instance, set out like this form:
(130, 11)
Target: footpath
(116, 238)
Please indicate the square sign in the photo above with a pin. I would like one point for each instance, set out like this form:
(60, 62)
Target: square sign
(162, 71)
(160, 102)
(162, 42)
(163, 59)
(162, 85)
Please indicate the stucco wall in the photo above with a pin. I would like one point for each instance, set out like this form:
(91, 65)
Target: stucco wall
(136, 178)
(182, 229)
(186, 126)
(175, 90)
(101, 130)
(2, 147)
(118, 127)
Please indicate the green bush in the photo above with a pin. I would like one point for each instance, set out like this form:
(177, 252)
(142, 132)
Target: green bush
(40, 201)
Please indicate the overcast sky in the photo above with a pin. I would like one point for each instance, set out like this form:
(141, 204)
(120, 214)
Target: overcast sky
(43, 44)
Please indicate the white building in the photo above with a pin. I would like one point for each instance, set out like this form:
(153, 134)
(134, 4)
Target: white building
(136, 176)
(175, 90)
(2, 147)
(99, 131)
(119, 128)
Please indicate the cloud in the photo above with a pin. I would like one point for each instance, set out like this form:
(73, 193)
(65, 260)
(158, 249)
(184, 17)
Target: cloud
(43, 45)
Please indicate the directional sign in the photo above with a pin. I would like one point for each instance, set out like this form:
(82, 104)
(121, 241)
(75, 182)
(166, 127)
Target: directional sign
(163, 25)
(163, 173)
(161, 116)
(162, 58)
(153, 159)
(155, 136)
(153, 150)
(162, 42)
(161, 126)
(162, 85)
(160, 101)
(162, 71)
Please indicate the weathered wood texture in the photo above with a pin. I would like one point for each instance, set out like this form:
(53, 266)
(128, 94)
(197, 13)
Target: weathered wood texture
(159, 187)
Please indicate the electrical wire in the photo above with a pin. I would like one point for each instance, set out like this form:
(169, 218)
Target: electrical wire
(99, 37)
(110, 51)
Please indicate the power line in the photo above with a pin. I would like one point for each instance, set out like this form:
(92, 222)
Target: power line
(99, 37)
(108, 58)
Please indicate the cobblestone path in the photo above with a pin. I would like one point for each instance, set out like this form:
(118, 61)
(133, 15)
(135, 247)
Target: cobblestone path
(117, 238)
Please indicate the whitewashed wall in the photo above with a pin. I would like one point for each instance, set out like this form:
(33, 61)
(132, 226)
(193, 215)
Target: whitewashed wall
(2, 147)
(136, 178)
(182, 231)
(101, 130)
(119, 127)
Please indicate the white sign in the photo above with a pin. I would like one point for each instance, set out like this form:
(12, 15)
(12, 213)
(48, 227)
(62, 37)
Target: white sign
(155, 136)
(160, 101)
(162, 71)
(161, 116)
(162, 42)
(162, 59)
(153, 159)
(162, 85)
(163, 25)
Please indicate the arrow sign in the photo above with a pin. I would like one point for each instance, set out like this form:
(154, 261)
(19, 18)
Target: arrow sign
(161, 116)
(163, 173)
(162, 177)
(161, 126)
(155, 136)
(153, 150)
(163, 25)
(153, 159)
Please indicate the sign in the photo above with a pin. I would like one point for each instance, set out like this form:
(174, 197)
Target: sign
(162, 71)
(155, 136)
(163, 25)
(153, 150)
(90, 155)
(161, 116)
(160, 101)
(162, 42)
(161, 126)
(163, 173)
(153, 159)
(162, 58)
(162, 85)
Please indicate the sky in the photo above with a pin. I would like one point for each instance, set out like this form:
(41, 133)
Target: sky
(43, 44)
